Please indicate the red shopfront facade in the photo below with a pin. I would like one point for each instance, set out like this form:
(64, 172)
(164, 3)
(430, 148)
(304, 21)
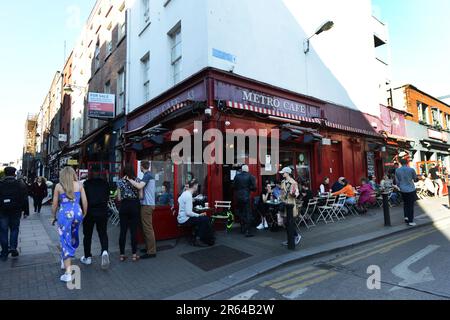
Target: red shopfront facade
(317, 139)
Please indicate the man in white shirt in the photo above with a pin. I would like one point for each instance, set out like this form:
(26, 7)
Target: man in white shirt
(186, 216)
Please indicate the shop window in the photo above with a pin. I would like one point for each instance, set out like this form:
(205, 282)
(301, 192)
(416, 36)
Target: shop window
(422, 109)
(187, 172)
(436, 117)
(304, 168)
(163, 171)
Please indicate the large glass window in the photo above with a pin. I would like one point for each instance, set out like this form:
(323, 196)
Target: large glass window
(176, 54)
(304, 168)
(187, 172)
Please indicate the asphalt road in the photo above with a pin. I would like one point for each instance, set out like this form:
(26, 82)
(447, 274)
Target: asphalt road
(414, 265)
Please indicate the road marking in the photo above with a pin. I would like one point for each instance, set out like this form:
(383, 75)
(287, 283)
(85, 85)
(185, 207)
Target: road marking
(307, 283)
(410, 277)
(247, 295)
(291, 281)
(286, 276)
(297, 293)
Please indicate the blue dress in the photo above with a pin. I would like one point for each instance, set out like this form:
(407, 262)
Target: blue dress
(70, 217)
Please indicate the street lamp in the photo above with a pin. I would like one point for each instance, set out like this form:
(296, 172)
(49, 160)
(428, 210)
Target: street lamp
(325, 27)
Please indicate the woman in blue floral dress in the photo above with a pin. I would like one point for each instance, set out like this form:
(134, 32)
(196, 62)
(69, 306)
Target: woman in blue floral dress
(69, 214)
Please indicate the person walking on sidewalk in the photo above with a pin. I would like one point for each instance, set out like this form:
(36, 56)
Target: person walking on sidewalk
(147, 184)
(97, 194)
(13, 198)
(69, 214)
(186, 217)
(289, 194)
(405, 177)
(39, 193)
(244, 185)
(129, 212)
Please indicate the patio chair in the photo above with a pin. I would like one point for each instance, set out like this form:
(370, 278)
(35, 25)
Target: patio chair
(338, 206)
(304, 217)
(222, 212)
(326, 211)
(114, 212)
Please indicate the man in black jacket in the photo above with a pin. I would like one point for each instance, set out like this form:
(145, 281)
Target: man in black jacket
(13, 199)
(97, 193)
(244, 185)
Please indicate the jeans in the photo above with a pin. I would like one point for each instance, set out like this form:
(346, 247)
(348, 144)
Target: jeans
(9, 225)
(350, 201)
(101, 221)
(408, 205)
(37, 201)
(203, 224)
(129, 218)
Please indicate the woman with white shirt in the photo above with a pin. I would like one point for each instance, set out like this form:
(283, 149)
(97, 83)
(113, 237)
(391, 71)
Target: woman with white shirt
(186, 216)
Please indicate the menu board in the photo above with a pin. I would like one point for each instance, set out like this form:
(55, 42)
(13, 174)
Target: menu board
(370, 164)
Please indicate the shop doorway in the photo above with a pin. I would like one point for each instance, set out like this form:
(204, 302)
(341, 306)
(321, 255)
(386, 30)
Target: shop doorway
(335, 170)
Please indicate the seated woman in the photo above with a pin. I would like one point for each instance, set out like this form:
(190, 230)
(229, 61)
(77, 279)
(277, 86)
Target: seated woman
(325, 186)
(387, 184)
(348, 191)
(165, 198)
(263, 210)
(373, 183)
(367, 195)
(429, 185)
(187, 217)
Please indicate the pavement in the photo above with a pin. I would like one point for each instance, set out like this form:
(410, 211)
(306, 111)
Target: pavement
(407, 266)
(181, 271)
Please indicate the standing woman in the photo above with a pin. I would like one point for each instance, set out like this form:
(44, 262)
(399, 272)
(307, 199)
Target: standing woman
(130, 211)
(38, 192)
(69, 214)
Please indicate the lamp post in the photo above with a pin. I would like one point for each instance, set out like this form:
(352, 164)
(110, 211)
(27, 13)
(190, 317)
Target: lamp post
(325, 27)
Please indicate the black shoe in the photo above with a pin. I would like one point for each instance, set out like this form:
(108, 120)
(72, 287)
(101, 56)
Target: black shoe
(148, 256)
(14, 253)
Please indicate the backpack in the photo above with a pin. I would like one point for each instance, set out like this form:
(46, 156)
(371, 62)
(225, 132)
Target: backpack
(10, 196)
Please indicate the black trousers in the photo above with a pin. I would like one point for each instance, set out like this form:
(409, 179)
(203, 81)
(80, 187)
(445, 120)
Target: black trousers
(37, 201)
(203, 224)
(101, 222)
(408, 205)
(244, 213)
(129, 213)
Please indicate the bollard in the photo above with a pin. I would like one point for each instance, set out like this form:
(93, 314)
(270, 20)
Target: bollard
(386, 209)
(290, 226)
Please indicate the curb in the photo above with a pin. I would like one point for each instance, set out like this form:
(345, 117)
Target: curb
(247, 274)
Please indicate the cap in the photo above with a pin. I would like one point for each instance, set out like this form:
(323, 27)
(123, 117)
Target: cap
(286, 170)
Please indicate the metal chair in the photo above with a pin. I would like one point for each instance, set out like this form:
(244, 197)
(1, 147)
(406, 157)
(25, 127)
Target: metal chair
(114, 218)
(222, 212)
(304, 217)
(338, 206)
(326, 211)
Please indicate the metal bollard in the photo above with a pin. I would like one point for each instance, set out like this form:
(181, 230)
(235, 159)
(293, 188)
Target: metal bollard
(386, 209)
(290, 226)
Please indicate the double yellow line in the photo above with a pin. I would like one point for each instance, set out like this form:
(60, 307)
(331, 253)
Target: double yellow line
(309, 276)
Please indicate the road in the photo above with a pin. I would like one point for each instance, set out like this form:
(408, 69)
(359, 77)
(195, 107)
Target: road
(410, 266)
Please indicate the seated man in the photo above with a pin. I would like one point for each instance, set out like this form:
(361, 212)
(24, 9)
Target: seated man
(348, 191)
(187, 217)
(338, 185)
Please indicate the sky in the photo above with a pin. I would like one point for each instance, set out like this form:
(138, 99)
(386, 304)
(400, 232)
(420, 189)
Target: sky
(33, 35)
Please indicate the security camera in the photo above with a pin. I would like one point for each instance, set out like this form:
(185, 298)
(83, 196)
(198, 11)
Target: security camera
(232, 69)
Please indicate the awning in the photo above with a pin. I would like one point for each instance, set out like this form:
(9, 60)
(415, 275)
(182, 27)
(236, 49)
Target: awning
(270, 112)
(431, 144)
(93, 135)
(351, 129)
(151, 117)
(399, 138)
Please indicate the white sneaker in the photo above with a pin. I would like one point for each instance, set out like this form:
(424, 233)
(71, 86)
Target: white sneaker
(86, 261)
(406, 219)
(63, 267)
(261, 226)
(284, 243)
(412, 224)
(105, 260)
(298, 239)
(66, 277)
(266, 225)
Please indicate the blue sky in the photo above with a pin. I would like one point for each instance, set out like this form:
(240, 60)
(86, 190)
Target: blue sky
(33, 35)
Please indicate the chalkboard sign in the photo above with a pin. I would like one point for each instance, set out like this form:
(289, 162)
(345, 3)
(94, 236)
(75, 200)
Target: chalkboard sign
(370, 164)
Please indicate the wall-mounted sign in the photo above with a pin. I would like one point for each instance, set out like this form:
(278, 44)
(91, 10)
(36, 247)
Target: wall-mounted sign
(101, 105)
(223, 55)
(229, 92)
(433, 134)
(326, 142)
(370, 163)
(62, 137)
(72, 162)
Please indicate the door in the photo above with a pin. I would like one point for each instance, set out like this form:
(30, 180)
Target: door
(335, 170)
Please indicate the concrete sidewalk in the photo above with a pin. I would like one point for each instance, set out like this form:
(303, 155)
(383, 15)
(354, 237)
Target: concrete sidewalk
(182, 271)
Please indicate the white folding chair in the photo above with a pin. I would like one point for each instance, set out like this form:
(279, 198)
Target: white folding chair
(307, 215)
(338, 206)
(326, 211)
(114, 218)
(221, 207)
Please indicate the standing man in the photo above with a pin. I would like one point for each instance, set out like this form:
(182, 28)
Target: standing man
(13, 199)
(405, 177)
(147, 184)
(97, 193)
(244, 184)
(434, 172)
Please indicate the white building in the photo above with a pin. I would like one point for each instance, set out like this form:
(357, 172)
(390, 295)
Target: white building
(168, 41)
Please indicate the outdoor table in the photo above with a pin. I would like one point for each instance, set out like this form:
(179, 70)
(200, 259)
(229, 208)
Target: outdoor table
(273, 208)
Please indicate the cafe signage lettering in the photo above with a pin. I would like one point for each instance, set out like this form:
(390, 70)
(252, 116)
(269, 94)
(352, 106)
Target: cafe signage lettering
(273, 102)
